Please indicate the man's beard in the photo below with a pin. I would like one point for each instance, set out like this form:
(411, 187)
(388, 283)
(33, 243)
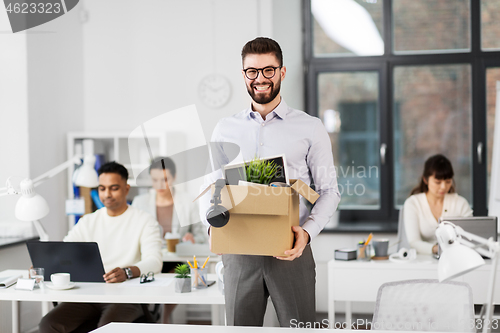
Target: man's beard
(261, 98)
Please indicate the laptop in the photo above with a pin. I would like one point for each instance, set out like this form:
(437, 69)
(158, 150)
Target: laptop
(482, 226)
(81, 259)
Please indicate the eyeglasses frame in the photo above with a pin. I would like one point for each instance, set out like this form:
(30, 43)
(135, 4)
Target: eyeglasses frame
(261, 70)
(149, 277)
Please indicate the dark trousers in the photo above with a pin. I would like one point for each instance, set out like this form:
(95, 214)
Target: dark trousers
(68, 317)
(250, 280)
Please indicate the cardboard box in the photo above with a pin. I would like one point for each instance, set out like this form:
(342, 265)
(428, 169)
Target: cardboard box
(261, 218)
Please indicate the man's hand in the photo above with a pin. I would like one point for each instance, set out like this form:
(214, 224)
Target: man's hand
(188, 237)
(115, 275)
(301, 240)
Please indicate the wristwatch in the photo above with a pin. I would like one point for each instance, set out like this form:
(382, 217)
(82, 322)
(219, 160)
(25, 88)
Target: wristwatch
(129, 273)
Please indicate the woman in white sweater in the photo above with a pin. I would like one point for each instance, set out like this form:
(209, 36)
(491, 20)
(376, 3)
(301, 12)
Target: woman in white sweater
(433, 198)
(159, 202)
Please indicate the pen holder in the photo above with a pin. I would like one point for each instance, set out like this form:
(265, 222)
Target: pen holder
(364, 252)
(199, 278)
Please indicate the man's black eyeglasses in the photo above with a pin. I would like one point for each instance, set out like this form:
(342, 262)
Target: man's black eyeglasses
(268, 72)
(150, 277)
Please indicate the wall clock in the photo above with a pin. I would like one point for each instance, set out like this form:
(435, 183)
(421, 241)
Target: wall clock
(214, 90)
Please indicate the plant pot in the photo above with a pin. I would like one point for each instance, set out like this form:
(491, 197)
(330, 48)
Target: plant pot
(182, 285)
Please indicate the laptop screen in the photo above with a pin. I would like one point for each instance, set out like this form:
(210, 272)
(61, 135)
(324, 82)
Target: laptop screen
(482, 226)
(81, 259)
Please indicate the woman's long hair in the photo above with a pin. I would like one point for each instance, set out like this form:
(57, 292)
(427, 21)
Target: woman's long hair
(439, 167)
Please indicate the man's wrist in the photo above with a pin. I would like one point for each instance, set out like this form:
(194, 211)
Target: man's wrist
(128, 273)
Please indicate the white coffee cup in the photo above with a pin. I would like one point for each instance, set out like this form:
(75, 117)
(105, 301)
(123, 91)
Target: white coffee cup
(60, 279)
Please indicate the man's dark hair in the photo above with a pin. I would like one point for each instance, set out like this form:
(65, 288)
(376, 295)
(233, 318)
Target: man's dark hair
(262, 45)
(161, 163)
(113, 167)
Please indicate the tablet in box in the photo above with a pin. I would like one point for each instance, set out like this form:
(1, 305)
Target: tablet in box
(236, 172)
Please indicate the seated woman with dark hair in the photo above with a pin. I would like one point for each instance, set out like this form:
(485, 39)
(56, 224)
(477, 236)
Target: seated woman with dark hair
(433, 198)
(159, 202)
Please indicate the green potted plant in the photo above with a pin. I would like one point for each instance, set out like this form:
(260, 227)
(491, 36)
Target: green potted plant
(259, 171)
(182, 279)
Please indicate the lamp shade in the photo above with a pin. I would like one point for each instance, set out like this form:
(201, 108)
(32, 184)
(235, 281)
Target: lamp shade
(30, 206)
(86, 175)
(457, 259)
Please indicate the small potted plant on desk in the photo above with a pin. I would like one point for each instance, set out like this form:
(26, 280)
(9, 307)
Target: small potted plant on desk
(182, 279)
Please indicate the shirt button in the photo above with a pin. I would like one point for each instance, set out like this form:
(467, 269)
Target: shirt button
(263, 124)
(261, 144)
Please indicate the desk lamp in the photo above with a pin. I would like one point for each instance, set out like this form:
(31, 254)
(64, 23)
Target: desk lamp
(460, 256)
(31, 206)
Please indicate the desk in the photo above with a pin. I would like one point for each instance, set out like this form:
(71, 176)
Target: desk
(359, 281)
(173, 257)
(109, 293)
(162, 328)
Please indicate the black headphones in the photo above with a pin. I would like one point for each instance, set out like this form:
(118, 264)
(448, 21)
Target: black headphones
(217, 215)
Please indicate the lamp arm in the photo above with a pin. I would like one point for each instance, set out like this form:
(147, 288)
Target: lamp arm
(487, 253)
(492, 245)
(44, 237)
(491, 288)
(9, 190)
(51, 173)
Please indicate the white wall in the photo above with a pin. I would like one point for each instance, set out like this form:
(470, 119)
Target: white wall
(143, 61)
(287, 30)
(14, 154)
(41, 98)
(55, 103)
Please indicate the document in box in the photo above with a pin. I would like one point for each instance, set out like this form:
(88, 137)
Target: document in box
(7, 281)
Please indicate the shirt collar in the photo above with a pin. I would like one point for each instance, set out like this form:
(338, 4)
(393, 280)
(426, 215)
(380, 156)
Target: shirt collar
(281, 110)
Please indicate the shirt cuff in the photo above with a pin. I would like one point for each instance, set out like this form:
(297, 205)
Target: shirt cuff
(312, 229)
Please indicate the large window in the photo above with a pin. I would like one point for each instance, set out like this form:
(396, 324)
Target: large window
(348, 104)
(396, 81)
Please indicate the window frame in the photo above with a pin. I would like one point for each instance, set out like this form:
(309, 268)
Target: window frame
(386, 218)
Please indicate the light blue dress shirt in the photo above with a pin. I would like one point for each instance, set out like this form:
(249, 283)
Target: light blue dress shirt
(303, 140)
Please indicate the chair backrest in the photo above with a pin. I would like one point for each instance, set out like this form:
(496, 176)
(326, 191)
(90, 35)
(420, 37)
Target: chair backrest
(402, 239)
(424, 305)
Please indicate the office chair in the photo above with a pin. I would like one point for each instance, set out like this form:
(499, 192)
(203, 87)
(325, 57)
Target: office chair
(402, 238)
(150, 315)
(424, 305)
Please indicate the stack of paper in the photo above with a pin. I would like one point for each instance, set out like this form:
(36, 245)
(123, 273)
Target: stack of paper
(7, 281)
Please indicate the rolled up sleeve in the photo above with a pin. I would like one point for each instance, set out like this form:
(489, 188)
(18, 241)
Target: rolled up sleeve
(322, 169)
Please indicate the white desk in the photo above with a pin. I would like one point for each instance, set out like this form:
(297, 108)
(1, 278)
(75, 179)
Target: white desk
(359, 281)
(174, 257)
(162, 328)
(110, 293)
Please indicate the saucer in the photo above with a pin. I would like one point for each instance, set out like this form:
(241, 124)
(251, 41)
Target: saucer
(50, 285)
